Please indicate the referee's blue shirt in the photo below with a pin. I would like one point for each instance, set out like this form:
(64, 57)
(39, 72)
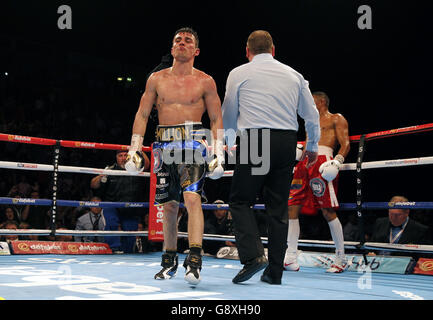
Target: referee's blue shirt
(266, 93)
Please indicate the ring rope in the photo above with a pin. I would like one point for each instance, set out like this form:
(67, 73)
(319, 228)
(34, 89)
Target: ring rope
(228, 173)
(69, 169)
(108, 146)
(107, 204)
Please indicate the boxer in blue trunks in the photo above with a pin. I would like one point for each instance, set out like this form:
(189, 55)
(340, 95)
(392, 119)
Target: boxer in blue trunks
(180, 155)
(181, 95)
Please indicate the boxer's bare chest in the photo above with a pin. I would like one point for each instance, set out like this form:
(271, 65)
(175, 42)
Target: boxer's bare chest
(327, 131)
(185, 90)
(180, 99)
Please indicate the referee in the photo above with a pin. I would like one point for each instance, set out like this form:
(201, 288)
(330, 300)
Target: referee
(262, 101)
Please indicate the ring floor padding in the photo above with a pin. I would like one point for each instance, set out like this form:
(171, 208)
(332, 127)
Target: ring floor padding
(130, 277)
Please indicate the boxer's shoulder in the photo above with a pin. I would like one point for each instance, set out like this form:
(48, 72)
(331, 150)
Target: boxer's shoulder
(337, 117)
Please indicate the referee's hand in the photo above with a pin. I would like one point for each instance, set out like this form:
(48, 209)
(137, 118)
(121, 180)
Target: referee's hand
(311, 157)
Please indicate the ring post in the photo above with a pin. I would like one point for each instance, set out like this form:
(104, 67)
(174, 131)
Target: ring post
(56, 156)
(361, 151)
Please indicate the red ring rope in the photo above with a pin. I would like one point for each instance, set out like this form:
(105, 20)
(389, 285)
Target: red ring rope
(107, 146)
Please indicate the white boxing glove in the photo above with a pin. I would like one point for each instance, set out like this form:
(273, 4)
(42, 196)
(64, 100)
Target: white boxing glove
(299, 151)
(135, 160)
(215, 167)
(329, 169)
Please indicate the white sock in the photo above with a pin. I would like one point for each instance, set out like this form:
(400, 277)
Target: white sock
(293, 235)
(337, 235)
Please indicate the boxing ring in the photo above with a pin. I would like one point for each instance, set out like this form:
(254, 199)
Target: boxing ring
(130, 276)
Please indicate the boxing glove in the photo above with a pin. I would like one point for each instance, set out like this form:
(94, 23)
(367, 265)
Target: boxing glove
(134, 161)
(215, 167)
(329, 169)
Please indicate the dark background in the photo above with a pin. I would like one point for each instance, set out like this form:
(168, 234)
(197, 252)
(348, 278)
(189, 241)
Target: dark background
(63, 84)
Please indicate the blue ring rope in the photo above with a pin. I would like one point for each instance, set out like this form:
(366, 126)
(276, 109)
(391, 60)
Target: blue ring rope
(106, 204)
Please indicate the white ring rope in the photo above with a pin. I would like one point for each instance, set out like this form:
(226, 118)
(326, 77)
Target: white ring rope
(72, 169)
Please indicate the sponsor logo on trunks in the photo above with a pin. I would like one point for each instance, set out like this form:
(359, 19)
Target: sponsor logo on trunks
(157, 160)
(162, 174)
(186, 183)
(318, 187)
(161, 196)
(296, 184)
(297, 181)
(172, 134)
(181, 133)
(162, 185)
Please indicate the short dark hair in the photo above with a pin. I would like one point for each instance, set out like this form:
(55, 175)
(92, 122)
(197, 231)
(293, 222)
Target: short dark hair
(188, 30)
(260, 41)
(322, 95)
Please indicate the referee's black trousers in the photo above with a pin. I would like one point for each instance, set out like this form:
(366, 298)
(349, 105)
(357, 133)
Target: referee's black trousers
(275, 188)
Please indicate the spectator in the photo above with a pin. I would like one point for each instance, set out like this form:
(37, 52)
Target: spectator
(34, 215)
(13, 191)
(63, 238)
(10, 225)
(93, 219)
(121, 189)
(399, 228)
(23, 186)
(10, 216)
(142, 243)
(219, 223)
(25, 225)
(17, 209)
(351, 229)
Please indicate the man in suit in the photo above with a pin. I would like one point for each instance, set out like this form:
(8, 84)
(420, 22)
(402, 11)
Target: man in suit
(399, 228)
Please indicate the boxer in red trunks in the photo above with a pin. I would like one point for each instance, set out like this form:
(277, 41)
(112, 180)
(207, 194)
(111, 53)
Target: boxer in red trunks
(315, 187)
